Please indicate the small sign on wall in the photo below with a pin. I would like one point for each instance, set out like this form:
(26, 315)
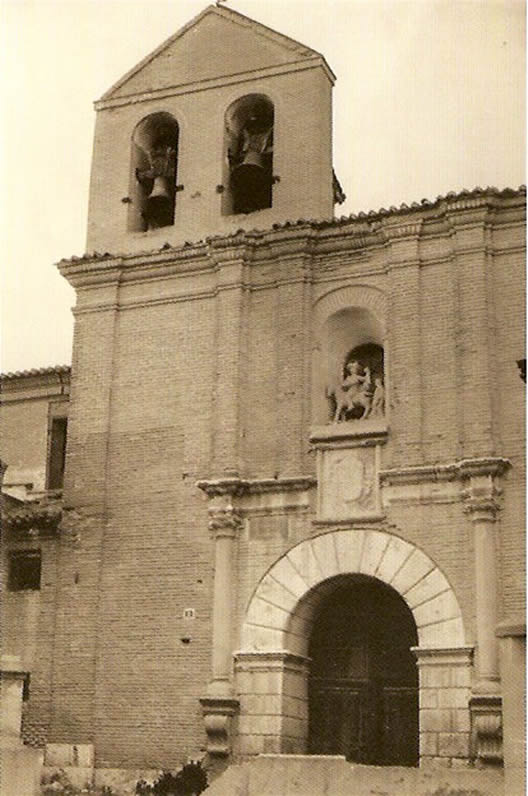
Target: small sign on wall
(189, 613)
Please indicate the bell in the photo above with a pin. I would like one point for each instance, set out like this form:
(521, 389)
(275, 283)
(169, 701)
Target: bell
(160, 189)
(158, 209)
(251, 184)
(252, 158)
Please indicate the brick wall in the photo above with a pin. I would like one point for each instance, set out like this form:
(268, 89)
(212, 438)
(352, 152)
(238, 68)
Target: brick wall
(197, 375)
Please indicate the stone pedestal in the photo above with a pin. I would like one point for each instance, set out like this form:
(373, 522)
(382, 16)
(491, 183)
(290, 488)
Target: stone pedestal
(75, 762)
(273, 689)
(445, 690)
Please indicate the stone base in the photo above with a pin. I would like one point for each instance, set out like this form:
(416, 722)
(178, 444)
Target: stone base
(21, 769)
(486, 729)
(69, 775)
(218, 713)
(73, 762)
(313, 775)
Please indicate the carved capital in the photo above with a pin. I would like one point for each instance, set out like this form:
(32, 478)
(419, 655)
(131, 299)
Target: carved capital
(225, 521)
(480, 496)
(218, 713)
(486, 723)
(481, 490)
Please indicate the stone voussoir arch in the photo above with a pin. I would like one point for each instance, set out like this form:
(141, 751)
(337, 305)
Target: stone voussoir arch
(280, 612)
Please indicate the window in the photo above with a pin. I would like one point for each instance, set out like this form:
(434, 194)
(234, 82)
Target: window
(154, 165)
(249, 154)
(24, 570)
(57, 452)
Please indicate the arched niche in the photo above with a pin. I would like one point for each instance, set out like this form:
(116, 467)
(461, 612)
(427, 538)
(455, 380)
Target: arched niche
(248, 161)
(349, 366)
(153, 171)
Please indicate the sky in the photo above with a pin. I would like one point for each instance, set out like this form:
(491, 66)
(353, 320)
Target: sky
(429, 99)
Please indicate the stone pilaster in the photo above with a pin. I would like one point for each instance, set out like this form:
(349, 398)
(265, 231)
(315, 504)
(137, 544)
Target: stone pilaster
(219, 705)
(402, 241)
(230, 343)
(468, 219)
(481, 504)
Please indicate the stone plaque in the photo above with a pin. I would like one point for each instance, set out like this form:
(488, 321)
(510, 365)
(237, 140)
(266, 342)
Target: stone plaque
(348, 483)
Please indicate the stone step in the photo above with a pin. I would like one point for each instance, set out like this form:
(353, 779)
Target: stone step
(321, 775)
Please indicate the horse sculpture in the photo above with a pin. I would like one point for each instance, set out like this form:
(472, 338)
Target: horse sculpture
(354, 391)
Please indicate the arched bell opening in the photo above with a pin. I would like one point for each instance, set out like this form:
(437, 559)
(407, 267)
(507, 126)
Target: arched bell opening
(363, 682)
(154, 164)
(248, 175)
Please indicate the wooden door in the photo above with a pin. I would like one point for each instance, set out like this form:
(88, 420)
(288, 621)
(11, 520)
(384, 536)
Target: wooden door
(363, 685)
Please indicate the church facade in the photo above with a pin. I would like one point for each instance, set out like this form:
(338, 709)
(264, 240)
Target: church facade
(291, 515)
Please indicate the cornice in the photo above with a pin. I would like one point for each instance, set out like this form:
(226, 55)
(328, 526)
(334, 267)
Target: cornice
(490, 466)
(34, 520)
(443, 656)
(463, 469)
(269, 659)
(238, 486)
(306, 238)
(37, 376)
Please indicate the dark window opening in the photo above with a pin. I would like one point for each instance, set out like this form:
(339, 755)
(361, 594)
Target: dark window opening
(154, 167)
(249, 136)
(57, 452)
(24, 570)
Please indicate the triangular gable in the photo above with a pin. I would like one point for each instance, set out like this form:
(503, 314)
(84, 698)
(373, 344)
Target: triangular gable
(216, 43)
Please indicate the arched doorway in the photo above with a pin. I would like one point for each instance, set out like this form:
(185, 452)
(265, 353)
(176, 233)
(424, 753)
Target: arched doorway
(285, 609)
(363, 686)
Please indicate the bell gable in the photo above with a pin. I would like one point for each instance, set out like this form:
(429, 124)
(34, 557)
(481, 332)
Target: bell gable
(216, 44)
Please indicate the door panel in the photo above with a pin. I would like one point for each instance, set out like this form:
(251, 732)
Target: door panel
(400, 726)
(364, 685)
(337, 721)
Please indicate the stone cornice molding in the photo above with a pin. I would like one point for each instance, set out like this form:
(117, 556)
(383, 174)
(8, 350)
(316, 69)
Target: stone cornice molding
(491, 466)
(237, 487)
(417, 475)
(305, 238)
(443, 656)
(463, 469)
(283, 659)
(394, 232)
